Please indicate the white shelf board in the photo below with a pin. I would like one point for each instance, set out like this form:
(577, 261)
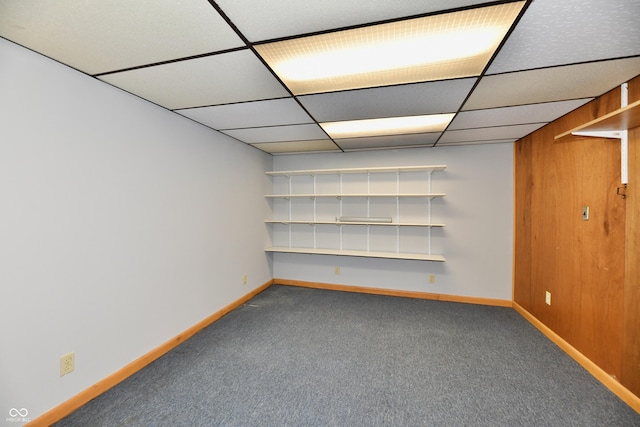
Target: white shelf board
(336, 195)
(399, 224)
(623, 118)
(358, 170)
(367, 254)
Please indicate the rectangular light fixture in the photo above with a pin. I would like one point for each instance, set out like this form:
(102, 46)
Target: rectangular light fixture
(436, 47)
(387, 126)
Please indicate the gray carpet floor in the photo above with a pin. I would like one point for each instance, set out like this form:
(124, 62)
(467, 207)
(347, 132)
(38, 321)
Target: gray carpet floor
(306, 357)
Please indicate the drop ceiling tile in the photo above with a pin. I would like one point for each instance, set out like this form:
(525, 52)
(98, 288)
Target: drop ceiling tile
(263, 20)
(534, 113)
(422, 139)
(297, 146)
(250, 114)
(217, 79)
(278, 133)
(487, 134)
(551, 84)
(555, 32)
(102, 36)
(391, 101)
(491, 141)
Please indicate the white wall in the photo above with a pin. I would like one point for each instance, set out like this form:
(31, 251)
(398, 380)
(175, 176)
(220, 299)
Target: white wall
(121, 225)
(477, 241)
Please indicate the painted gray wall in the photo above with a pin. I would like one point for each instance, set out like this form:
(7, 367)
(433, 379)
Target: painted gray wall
(477, 210)
(121, 225)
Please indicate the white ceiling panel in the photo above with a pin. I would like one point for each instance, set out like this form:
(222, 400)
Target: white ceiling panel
(263, 19)
(218, 79)
(487, 134)
(191, 57)
(492, 141)
(556, 32)
(523, 114)
(393, 101)
(422, 139)
(552, 84)
(250, 114)
(102, 36)
(297, 146)
(278, 133)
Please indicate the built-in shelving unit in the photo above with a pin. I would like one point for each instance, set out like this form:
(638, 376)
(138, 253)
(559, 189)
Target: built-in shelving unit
(366, 202)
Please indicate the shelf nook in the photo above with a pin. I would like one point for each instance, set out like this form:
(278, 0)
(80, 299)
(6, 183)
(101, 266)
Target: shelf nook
(372, 211)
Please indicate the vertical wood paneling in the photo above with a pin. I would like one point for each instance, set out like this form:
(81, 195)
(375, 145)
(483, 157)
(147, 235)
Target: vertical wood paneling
(522, 223)
(601, 256)
(595, 306)
(631, 332)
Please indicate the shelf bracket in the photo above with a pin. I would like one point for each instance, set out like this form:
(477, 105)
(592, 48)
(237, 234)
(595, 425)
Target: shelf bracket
(622, 135)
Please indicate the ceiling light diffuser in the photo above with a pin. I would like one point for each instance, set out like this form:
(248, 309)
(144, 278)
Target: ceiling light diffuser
(387, 126)
(446, 46)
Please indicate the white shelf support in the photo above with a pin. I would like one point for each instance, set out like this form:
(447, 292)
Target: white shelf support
(622, 135)
(290, 210)
(398, 219)
(368, 209)
(340, 203)
(314, 211)
(429, 173)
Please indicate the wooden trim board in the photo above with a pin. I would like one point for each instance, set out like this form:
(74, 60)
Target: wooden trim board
(57, 413)
(395, 293)
(67, 407)
(607, 380)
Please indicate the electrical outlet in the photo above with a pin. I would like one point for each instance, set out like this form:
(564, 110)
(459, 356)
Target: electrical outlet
(244, 279)
(67, 363)
(547, 298)
(337, 270)
(432, 278)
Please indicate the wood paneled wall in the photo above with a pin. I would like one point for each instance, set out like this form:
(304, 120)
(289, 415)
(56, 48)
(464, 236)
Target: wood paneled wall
(631, 331)
(590, 267)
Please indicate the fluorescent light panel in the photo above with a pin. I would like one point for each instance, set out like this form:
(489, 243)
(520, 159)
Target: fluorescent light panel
(387, 126)
(437, 47)
(297, 146)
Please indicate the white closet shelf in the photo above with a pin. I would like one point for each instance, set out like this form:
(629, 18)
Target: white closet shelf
(622, 119)
(358, 170)
(311, 222)
(338, 196)
(368, 254)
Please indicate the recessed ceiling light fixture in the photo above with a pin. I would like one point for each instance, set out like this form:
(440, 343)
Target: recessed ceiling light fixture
(446, 46)
(387, 126)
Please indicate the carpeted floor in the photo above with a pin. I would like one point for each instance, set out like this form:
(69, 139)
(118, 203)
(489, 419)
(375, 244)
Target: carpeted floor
(305, 357)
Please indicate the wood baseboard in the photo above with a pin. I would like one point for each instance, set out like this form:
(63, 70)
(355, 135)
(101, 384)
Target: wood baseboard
(67, 407)
(607, 380)
(395, 293)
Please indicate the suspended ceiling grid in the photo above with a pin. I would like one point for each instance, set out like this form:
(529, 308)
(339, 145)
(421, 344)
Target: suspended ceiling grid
(202, 59)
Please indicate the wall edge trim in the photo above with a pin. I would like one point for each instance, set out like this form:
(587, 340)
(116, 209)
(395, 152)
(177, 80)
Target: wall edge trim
(596, 371)
(67, 407)
(395, 293)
